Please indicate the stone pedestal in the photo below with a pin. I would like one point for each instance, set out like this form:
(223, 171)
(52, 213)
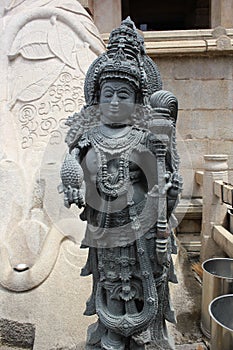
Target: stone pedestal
(215, 168)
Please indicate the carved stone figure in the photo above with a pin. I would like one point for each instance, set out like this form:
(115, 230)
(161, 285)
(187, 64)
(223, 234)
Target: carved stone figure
(122, 168)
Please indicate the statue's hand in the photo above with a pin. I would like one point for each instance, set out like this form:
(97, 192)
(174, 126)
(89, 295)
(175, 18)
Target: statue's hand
(74, 195)
(175, 185)
(73, 184)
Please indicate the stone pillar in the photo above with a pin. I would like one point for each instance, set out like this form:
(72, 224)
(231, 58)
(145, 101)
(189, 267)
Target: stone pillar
(107, 14)
(221, 13)
(215, 168)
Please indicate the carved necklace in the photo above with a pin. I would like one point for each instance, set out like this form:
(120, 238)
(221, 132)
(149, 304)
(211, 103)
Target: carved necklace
(115, 145)
(121, 147)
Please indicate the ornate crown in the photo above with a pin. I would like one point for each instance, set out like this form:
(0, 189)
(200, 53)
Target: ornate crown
(125, 59)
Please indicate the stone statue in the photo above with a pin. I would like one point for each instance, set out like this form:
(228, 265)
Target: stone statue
(122, 168)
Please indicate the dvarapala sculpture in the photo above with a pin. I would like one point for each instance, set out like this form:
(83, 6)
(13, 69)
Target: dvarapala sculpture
(122, 168)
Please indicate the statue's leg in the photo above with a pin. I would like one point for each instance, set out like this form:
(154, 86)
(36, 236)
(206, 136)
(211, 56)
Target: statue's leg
(112, 340)
(94, 334)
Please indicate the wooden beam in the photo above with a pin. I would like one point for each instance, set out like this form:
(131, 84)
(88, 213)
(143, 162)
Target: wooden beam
(199, 177)
(227, 194)
(218, 188)
(224, 239)
(224, 192)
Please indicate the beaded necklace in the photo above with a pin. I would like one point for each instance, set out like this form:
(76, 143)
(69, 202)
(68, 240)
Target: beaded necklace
(108, 149)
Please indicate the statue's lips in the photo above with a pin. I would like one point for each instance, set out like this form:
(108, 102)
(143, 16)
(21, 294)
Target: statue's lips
(114, 110)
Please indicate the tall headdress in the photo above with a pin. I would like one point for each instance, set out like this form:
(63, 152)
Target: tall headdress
(125, 58)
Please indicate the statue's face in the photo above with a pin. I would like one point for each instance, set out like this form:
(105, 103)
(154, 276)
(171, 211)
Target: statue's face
(117, 101)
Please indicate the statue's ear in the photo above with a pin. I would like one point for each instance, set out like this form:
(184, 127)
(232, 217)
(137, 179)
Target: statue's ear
(97, 97)
(139, 98)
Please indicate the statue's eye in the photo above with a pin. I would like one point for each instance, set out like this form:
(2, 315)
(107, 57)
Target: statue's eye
(123, 95)
(108, 94)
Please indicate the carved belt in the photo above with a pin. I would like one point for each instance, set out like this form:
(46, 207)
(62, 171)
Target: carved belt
(117, 219)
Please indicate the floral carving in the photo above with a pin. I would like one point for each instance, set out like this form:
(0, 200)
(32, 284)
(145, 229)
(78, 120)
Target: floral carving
(42, 45)
(57, 36)
(48, 57)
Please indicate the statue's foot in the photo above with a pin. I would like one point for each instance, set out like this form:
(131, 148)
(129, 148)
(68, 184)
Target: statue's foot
(94, 333)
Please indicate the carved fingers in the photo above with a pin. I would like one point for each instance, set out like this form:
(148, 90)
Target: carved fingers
(175, 185)
(73, 196)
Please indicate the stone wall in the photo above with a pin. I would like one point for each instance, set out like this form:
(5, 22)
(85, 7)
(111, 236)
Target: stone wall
(196, 65)
(203, 85)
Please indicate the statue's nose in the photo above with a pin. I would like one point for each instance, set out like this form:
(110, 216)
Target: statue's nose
(114, 100)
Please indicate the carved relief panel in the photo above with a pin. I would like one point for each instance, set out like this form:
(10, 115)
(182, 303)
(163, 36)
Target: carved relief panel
(47, 47)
